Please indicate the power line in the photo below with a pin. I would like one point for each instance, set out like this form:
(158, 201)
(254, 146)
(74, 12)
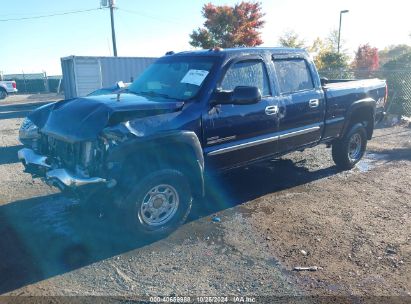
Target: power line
(50, 15)
(32, 13)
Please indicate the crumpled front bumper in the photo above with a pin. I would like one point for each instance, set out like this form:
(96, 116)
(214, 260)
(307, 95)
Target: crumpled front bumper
(62, 178)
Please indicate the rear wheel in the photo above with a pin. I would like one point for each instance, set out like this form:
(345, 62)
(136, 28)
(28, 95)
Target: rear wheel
(3, 94)
(159, 202)
(350, 149)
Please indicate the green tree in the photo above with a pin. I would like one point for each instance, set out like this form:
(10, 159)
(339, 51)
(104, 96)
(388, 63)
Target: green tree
(329, 63)
(329, 60)
(332, 42)
(291, 39)
(392, 52)
(229, 26)
(317, 46)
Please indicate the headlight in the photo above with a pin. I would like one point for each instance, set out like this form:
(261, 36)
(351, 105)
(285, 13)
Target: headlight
(28, 130)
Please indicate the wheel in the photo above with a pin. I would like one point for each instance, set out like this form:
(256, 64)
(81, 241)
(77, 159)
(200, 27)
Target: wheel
(159, 203)
(3, 94)
(350, 149)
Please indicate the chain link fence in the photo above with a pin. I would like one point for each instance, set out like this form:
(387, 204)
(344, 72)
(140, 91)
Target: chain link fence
(399, 85)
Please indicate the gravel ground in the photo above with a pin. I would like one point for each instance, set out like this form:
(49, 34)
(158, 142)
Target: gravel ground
(355, 227)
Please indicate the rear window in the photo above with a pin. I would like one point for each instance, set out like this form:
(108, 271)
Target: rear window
(293, 75)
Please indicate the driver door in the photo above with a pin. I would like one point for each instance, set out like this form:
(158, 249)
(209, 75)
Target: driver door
(237, 134)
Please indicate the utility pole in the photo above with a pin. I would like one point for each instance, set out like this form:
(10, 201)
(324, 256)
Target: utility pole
(339, 29)
(113, 31)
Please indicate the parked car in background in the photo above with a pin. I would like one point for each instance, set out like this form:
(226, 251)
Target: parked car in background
(7, 87)
(193, 114)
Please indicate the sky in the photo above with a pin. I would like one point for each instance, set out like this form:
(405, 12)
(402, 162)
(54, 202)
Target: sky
(151, 28)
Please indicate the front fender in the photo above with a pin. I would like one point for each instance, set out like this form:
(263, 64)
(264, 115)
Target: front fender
(166, 149)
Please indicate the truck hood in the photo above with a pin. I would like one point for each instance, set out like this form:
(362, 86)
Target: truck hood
(84, 118)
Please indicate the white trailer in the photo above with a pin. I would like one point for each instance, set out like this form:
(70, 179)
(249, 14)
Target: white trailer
(85, 74)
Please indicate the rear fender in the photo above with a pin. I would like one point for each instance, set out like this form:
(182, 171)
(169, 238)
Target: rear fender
(362, 111)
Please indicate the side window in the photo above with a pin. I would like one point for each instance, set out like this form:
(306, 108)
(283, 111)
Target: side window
(293, 75)
(247, 73)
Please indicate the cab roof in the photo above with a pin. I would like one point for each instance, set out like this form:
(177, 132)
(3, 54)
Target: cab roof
(233, 52)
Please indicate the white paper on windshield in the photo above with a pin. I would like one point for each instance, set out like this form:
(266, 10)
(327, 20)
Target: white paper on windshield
(195, 77)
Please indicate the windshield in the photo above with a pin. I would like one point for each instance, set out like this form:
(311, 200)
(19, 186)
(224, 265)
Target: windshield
(174, 77)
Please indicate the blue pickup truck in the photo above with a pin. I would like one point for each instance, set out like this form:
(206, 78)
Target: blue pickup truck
(192, 114)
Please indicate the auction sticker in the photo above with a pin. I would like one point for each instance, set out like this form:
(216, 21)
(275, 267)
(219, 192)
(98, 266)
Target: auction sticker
(195, 77)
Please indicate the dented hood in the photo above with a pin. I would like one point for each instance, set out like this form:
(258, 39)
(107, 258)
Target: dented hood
(84, 118)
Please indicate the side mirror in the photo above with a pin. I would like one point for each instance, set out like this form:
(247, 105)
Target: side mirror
(324, 81)
(241, 95)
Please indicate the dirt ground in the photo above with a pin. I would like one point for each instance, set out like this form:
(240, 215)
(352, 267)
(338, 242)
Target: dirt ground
(354, 227)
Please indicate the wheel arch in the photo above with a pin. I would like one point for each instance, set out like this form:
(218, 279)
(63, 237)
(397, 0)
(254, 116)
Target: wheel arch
(361, 111)
(179, 150)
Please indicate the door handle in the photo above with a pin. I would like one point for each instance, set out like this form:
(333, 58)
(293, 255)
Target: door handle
(271, 110)
(314, 103)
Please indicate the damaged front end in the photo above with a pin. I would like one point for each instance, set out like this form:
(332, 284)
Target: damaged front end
(75, 168)
(74, 139)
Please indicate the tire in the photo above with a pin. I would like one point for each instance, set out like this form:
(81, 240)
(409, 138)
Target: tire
(3, 94)
(349, 150)
(167, 188)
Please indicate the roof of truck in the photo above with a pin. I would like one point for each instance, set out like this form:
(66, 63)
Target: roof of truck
(220, 52)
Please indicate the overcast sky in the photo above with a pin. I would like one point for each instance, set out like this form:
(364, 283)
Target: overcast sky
(150, 28)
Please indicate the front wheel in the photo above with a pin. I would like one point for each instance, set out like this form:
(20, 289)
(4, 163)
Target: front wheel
(350, 149)
(159, 202)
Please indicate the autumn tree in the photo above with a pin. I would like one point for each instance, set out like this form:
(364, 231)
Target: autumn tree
(317, 46)
(366, 61)
(229, 26)
(291, 39)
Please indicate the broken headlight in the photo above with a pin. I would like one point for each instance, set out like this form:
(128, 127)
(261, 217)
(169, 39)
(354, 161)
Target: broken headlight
(117, 134)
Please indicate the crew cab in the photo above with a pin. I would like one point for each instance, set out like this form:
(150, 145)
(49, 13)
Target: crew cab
(191, 115)
(7, 87)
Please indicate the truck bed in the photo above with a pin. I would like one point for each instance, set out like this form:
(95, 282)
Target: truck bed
(341, 94)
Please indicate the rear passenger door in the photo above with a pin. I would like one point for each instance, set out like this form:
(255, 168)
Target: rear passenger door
(302, 103)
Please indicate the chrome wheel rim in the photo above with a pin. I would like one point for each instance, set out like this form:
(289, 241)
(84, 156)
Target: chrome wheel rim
(354, 147)
(159, 205)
